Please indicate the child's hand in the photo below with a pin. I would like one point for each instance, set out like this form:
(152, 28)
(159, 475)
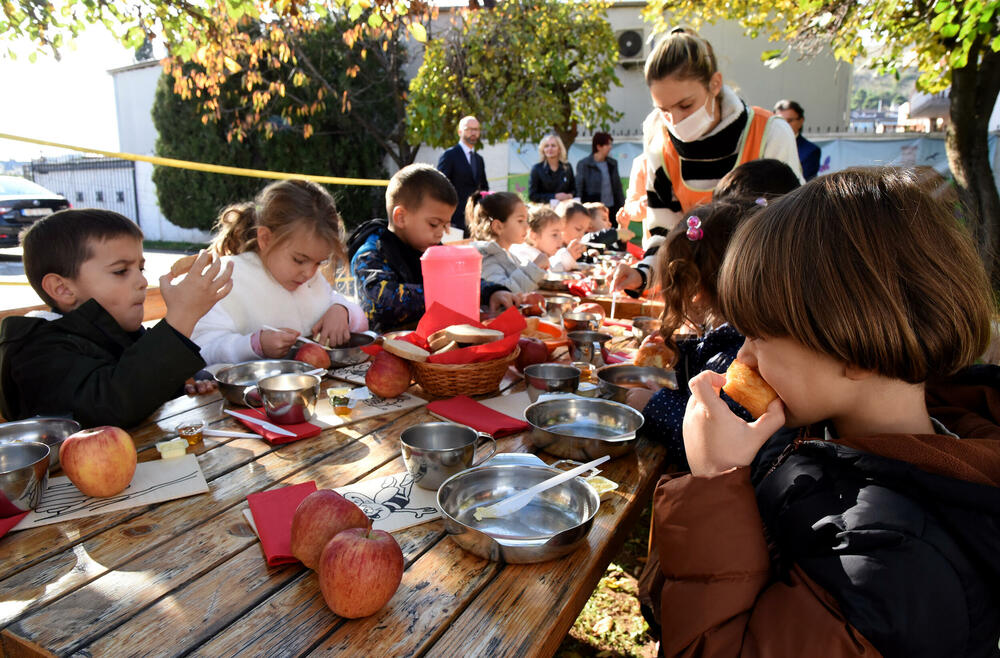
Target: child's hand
(625, 278)
(542, 261)
(715, 439)
(576, 248)
(200, 386)
(334, 328)
(193, 297)
(638, 398)
(625, 235)
(501, 300)
(275, 344)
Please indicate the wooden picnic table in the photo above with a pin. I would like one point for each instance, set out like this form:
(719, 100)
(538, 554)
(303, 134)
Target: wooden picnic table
(189, 576)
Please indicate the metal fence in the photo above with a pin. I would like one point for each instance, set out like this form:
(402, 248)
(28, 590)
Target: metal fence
(87, 182)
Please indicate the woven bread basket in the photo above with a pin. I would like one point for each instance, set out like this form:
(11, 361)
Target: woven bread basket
(449, 380)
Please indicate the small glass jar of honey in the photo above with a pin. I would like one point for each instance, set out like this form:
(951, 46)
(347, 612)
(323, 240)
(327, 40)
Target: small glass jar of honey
(586, 370)
(191, 431)
(339, 400)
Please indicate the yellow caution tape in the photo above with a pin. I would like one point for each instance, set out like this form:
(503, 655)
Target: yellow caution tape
(201, 166)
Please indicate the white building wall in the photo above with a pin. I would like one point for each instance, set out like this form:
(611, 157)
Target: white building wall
(135, 91)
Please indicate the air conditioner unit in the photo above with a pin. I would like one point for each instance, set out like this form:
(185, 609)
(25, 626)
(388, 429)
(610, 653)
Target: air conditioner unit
(631, 46)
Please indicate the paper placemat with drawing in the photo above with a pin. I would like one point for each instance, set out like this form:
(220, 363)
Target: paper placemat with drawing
(154, 482)
(362, 405)
(354, 374)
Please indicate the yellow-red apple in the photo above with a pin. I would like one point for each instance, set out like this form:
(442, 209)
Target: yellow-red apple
(314, 355)
(388, 376)
(359, 571)
(99, 461)
(320, 516)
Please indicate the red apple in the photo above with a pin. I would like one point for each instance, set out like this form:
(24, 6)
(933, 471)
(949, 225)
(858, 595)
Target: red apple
(314, 355)
(99, 461)
(591, 307)
(359, 571)
(536, 298)
(532, 351)
(388, 376)
(320, 516)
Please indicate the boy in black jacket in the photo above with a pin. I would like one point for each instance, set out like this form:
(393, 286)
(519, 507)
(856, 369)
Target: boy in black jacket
(92, 359)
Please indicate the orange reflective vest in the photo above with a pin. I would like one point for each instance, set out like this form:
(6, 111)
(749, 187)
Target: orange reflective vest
(751, 148)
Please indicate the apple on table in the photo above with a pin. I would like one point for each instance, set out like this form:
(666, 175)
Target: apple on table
(320, 516)
(99, 461)
(359, 571)
(314, 355)
(388, 375)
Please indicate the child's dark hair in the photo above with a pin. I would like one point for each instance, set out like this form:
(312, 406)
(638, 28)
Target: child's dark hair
(283, 207)
(765, 178)
(63, 241)
(567, 209)
(410, 185)
(540, 216)
(690, 268)
(484, 207)
(865, 266)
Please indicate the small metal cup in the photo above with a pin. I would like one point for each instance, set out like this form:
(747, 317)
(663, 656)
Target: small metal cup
(433, 452)
(550, 378)
(287, 399)
(643, 325)
(589, 346)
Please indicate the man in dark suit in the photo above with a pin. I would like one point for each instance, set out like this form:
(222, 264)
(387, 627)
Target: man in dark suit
(464, 168)
(809, 153)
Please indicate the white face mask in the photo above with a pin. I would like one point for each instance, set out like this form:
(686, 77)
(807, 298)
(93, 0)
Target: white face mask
(693, 125)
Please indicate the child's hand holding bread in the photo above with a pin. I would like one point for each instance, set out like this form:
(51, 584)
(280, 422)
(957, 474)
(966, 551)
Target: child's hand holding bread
(715, 439)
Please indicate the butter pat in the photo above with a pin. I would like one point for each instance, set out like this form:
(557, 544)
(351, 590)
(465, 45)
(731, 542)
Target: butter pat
(172, 448)
(603, 485)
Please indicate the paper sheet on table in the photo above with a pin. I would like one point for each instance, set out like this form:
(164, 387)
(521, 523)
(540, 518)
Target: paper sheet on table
(392, 502)
(513, 405)
(154, 482)
(354, 374)
(373, 406)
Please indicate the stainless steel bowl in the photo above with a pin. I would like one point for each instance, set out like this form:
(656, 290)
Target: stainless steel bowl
(351, 353)
(550, 378)
(234, 381)
(555, 281)
(583, 428)
(557, 305)
(553, 524)
(617, 380)
(24, 473)
(50, 431)
(644, 325)
(582, 321)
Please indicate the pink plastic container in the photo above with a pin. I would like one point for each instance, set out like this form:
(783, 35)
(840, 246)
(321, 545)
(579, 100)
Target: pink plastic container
(451, 278)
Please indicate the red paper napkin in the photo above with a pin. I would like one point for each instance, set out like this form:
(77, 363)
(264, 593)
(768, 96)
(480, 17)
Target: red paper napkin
(466, 411)
(10, 522)
(634, 249)
(272, 514)
(301, 430)
(616, 357)
(580, 288)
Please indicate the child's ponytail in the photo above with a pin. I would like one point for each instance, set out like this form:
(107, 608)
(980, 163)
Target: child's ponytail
(236, 229)
(484, 207)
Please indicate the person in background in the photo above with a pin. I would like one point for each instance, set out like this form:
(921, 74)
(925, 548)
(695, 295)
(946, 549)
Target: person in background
(464, 168)
(699, 131)
(809, 153)
(865, 526)
(498, 221)
(90, 358)
(551, 178)
(279, 244)
(385, 254)
(597, 177)
(575, 224)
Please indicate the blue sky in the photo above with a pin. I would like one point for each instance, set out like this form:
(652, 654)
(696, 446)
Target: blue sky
(71, 101)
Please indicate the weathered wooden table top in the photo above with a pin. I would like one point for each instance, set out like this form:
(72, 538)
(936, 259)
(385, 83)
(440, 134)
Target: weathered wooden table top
(188, 576)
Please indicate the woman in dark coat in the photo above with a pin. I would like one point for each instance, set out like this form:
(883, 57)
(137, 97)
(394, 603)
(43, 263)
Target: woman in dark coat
(597, 177)
(552, 177)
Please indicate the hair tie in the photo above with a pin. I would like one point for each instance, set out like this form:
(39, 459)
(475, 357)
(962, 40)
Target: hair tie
(761, 201)
(694, 231)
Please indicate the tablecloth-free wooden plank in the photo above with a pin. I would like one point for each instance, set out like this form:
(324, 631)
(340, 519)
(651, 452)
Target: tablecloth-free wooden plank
(112, 549)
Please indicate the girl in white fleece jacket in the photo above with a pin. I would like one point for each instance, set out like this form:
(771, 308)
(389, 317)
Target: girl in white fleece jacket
(499, 221)
(279, 244)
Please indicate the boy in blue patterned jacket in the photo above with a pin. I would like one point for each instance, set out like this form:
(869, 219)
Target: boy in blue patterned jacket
(385, 254)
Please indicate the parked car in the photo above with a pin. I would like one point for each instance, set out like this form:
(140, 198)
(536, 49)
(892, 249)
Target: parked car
(23, 202)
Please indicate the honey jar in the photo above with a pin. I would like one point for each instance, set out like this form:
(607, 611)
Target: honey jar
(191, 431)
(339, 400)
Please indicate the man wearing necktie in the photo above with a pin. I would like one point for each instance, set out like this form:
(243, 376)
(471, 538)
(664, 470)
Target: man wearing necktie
(464, 168)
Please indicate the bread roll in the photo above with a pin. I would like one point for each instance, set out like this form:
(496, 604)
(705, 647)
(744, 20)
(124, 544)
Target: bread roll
(654, 353)
(745, 385)
(438, 339)
(183, 265)
(470, 335)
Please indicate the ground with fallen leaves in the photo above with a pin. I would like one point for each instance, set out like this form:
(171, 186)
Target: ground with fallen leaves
(611, 624)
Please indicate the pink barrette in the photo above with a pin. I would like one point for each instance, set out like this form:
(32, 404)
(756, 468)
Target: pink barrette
(694, 231)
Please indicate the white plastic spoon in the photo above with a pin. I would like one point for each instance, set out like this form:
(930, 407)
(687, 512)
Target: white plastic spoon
(519, 500)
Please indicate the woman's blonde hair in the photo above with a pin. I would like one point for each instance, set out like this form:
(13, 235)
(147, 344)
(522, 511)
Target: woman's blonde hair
(865, 266)
(484, 207)
(283, 208)
(683, 54)
(558, 140)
